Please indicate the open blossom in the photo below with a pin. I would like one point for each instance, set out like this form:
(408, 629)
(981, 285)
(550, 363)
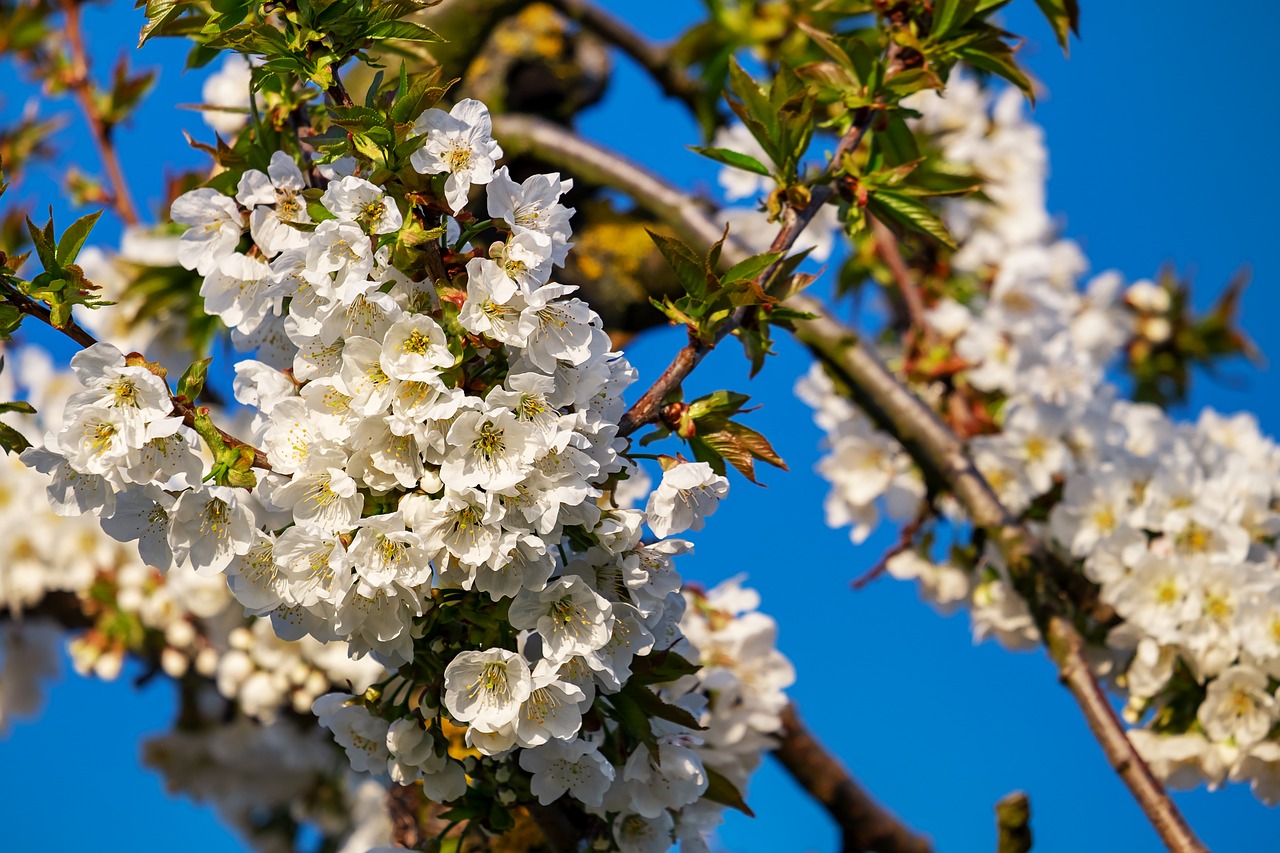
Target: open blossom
(459, 143)
(274, 200)
(689, 492)
(487, 689)
(356, 200)
(214, 227)
(571, 618)
(210, 526)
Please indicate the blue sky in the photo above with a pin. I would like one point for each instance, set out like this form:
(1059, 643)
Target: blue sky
(1159, 131)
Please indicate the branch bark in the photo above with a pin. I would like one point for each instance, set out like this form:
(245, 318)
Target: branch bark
(1051, 588)
(80, 84)
(864, 823)
(657, 62)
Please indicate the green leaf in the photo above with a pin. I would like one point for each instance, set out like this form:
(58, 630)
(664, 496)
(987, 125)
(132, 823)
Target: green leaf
(42, 239)
(732, 158)
(951, 15)
(11, 440)
(18, 406)
(721, 790)
(909, 212)
(1064, 17)
(688, 267)
(73, 238)
(661, 667)
(403, 31)
(722, 402)
(192, 381)
(993, 55)
(751, 268)
(653, 706)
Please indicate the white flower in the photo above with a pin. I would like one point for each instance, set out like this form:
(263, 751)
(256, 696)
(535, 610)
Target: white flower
(361, 734)
(215, 227)
(209, 527)
(494, 304)
(239, 291)
(1238, 707)
(486, 689)
(552, 711)
(534, 208)
(227, 87)
(688, 493)
(491, 449)
(571, 618)
(274, 200)
(637, 834)
(459, 143)
(415, 348)
(314, 568)
(575, 767)
(142, 514)
(384, 552)
(320, 494)
(342, 248)
(353, 199)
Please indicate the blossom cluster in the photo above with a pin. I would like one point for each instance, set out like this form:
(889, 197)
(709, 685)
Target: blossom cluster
(1175, 523)
(437, 493)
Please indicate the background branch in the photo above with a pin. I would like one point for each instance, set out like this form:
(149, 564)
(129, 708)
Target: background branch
(864, 824)
(81, 85)
(674, 81)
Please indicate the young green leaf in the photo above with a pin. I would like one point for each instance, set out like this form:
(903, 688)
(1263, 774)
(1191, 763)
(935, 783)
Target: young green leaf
(732, 158)
(911, 213)
(73, 238)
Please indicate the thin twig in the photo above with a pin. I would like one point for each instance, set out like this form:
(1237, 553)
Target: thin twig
(1041, 576)
(80, 84)
(891, 253)
(337, 92)
(646, 409)
(658, 62)
(864, 823)
(906, 538)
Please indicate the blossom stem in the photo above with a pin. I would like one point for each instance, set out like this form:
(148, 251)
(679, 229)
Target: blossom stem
(80, 84)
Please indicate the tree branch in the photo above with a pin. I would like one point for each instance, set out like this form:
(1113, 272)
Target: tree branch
(80, 84)
(1034, 569)
(646, 409)
(674, 81)
(864, 824)
(1013, 823)
(1040, 576)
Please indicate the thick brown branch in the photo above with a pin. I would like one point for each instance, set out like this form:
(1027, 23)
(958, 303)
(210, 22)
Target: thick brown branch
(80, 84)
(657, 62)
(864, 824)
